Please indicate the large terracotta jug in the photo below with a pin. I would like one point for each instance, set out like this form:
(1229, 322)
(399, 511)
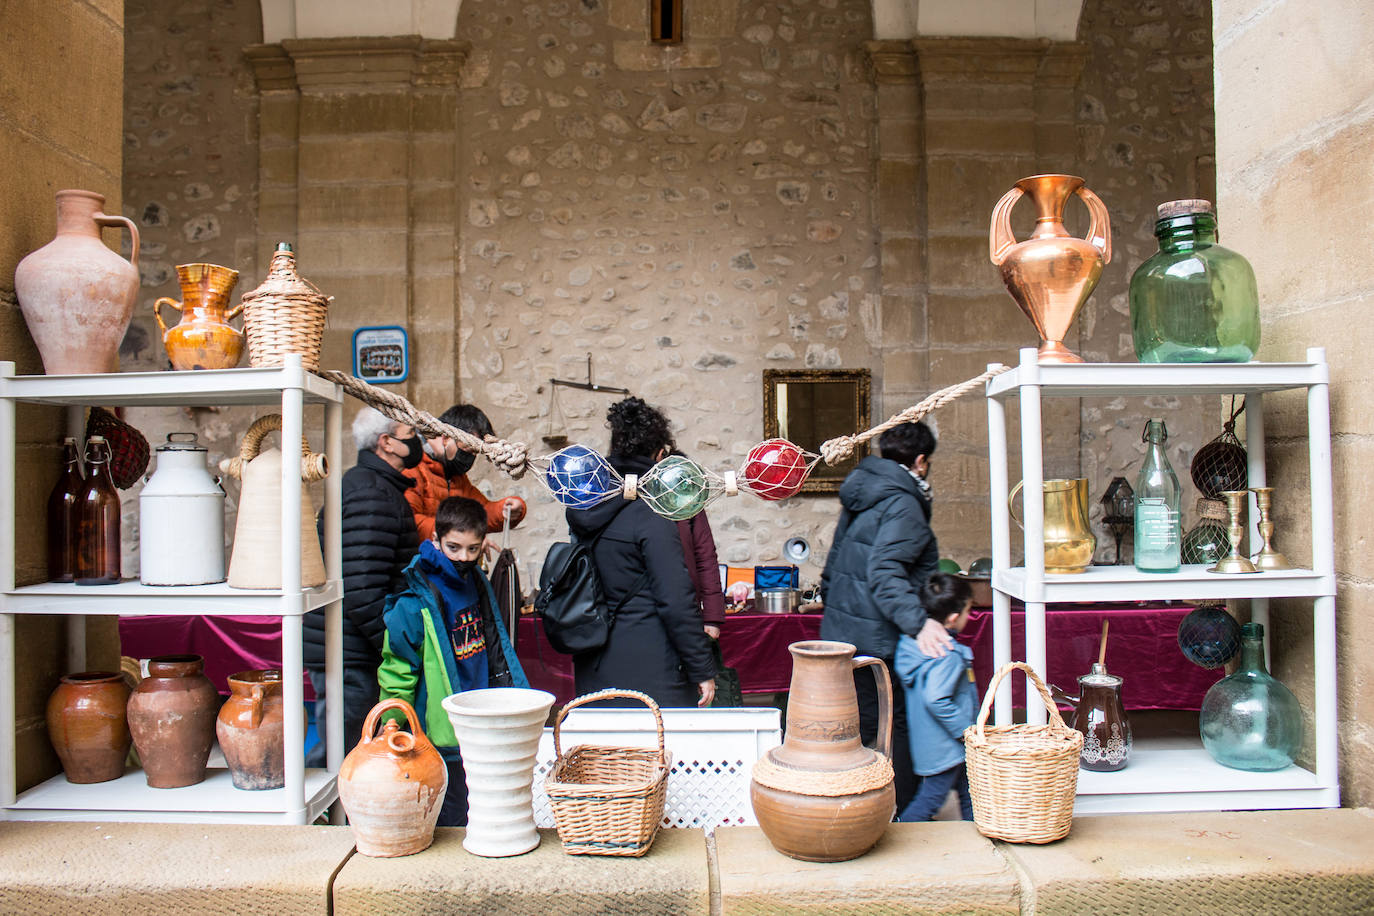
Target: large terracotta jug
(1051, 274)
(203, 338)
(77, 296)
(823, 796)
(87, 725)
(392, 785)
(251, 730)
(172, 720)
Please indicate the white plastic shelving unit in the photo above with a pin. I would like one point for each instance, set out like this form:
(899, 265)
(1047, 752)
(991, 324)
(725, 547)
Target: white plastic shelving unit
(1173, 775)
(307, 793)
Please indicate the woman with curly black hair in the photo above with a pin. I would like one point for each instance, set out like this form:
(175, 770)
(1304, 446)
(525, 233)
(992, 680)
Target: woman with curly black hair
(658, 644)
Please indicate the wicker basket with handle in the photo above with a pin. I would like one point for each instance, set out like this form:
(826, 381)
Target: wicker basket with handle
(284, 315)
(608, 800)
(1022, 778)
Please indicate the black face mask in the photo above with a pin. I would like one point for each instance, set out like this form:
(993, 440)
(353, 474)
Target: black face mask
(458, 465)
(417, 451)
(464, 567)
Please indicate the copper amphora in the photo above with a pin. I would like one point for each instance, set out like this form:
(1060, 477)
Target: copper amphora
(203, 338)
(392, 785)
(1051, 274)
(1068, 538)
(87, 725)
(823, 796)
(172, 720)
(251, 730)
(1101, 716)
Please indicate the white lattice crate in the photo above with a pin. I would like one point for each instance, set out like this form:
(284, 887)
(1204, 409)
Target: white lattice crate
(713, 753)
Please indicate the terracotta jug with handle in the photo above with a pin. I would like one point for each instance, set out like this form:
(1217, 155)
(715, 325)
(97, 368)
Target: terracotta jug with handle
(203, 338)
(823, 796)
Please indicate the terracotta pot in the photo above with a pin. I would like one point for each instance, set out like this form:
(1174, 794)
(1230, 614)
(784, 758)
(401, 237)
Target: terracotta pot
(172, 719)
(392, 785)
(77, 295)
(1051, 274)
(251, 732)
(203, 338)
(823, 796)
(87, 725)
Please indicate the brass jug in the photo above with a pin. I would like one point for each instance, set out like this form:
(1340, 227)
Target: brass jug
(1069, 540)
(256, 558)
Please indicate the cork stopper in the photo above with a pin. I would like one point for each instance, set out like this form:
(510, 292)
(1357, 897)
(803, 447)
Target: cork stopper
(1175, 208)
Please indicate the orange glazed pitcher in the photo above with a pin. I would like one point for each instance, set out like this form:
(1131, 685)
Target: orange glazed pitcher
(203, 338)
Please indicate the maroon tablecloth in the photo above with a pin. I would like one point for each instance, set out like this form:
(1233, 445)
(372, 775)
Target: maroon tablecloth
(228, 644)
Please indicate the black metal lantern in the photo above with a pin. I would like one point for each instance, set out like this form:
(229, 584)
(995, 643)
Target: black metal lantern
(1118, 510)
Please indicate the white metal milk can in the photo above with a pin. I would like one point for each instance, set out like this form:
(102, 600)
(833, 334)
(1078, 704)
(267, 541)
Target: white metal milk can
(181, 518)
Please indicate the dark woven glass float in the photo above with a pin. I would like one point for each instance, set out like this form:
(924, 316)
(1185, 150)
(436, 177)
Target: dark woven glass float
(1221, 464)
(1209, 636)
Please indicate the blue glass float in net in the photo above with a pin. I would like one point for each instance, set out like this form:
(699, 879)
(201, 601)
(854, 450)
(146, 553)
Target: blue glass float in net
(579, 478)
(1209, 636)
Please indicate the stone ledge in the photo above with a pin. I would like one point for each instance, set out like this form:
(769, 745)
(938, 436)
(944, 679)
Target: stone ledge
(445, 878)
(131, 869)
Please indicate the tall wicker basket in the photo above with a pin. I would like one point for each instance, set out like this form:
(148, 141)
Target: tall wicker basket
(608, 800)
(284, 315)
(1022, 778)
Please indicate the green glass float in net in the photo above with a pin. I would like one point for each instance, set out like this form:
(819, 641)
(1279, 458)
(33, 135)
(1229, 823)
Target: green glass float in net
(678, 488)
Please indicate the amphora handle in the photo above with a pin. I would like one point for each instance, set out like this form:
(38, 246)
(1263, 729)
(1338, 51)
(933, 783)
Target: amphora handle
(1011, 510)
(157, 311)
(1001, 238)
(399, 741)
(105, 219)
(883, 745)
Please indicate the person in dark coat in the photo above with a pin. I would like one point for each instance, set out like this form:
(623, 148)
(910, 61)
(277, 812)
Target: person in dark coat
(658, 644)
(379, 541)
(882, 554)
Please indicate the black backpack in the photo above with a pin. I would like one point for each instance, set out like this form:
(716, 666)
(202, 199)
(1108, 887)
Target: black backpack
(571, 602)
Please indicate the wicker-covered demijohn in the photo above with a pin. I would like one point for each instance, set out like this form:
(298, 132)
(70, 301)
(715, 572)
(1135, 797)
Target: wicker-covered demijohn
(608, 800)
(1022, 778)
(284, 315)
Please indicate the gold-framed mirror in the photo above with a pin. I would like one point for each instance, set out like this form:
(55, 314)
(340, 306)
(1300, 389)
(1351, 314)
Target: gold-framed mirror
(809, 406)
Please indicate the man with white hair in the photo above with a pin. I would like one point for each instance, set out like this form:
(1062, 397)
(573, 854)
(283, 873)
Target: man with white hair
(379, 541)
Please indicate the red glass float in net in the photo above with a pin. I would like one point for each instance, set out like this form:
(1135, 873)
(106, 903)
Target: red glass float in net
(775, 469)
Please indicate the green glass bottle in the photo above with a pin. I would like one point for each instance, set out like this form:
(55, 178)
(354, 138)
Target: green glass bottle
(1157, 495)
(1250, 720)
(1193, 301)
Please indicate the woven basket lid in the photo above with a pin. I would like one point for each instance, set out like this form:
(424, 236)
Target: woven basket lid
(283, 280)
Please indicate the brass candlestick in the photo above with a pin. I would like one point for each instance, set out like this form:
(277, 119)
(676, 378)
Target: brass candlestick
(1268, 557)
(1235, 562)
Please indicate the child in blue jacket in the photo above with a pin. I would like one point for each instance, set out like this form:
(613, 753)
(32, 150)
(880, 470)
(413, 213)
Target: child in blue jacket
(941, 701)
(443, 636)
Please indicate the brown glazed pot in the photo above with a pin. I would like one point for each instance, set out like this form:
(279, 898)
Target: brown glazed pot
(172, 719)
(251, 732)
(392, 786)
(823, 796)
(77, 296)
(203, 338)
(87, 725)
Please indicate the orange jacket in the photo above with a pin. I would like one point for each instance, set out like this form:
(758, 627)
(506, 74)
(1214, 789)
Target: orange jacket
(431, 488)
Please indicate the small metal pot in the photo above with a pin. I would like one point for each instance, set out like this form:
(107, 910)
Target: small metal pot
(776, 600)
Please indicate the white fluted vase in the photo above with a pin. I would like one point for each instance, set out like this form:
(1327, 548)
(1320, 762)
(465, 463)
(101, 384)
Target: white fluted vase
(498, 733)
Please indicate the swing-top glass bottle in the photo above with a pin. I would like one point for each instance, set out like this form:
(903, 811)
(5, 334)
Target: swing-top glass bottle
(1157, 494)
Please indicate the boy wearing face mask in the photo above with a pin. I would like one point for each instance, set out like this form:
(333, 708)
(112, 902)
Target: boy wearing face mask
(443, 472)
(442, 637)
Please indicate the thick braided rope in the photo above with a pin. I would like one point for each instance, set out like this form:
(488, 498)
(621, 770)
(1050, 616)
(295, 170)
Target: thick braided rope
(827, 784)
(833, 451)
(511, 457)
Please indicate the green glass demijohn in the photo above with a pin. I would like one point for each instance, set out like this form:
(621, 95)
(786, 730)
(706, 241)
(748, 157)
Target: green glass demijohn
(1250, 720)
(1193, 301)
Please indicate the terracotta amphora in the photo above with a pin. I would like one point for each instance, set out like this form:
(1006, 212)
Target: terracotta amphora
(87, 725)
(203, 338)
(1051, 274)
(172, 719)
(77, 296)
(251, 731)
(392, 785)
(823, 796)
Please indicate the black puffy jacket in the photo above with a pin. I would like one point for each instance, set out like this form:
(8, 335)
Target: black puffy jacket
(658, 644)
(882, 554)
(379, 541)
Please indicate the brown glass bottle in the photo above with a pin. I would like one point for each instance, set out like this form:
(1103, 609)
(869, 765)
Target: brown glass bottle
(97, 519)
(62, 516)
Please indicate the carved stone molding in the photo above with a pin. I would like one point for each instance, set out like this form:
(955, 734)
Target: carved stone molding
(356, 63)
(891, 61)
(1009, 60)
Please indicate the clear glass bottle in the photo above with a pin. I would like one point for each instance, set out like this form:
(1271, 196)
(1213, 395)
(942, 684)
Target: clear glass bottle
(1193, 301)
(97, 519)
(1157, 494)
(62, 516)
(1207, 541)
(1250, 720)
